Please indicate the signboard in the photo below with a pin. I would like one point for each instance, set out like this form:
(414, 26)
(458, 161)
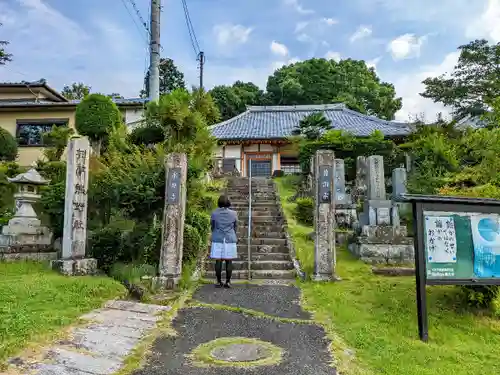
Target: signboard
(174, 185)
(457, 242)
(325, 184)
(462, 245)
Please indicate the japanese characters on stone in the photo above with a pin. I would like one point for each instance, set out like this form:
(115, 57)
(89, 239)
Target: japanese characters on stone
(80, 196)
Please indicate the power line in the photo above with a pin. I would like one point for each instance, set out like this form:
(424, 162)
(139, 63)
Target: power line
(192, 34)
(139, 15)
(141, 31)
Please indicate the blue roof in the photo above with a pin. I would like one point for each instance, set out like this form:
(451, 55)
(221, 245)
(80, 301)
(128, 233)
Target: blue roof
(278, 122)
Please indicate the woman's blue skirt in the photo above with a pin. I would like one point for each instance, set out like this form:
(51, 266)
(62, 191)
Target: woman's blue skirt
(223, 250)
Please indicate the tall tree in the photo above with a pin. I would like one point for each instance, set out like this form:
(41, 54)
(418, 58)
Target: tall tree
(4, 56)
(233, 100)
(77, 91)
(474, 82)
(171, 78)
(321, 81)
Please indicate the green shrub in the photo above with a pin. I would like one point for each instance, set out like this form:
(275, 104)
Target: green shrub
(52, 203)
(8, 146)
(151, 245)
(480, 296)
(304, 211)
(131, 272)
(55, 171)
(192, 243)
(199, 220)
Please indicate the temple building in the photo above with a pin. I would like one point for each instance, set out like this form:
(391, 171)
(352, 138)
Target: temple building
(261, 134)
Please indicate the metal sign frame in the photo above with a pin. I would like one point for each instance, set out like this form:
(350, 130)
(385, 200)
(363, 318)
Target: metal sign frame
(428, 203)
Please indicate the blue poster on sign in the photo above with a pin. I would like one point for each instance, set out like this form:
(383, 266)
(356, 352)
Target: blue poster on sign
(486, 239)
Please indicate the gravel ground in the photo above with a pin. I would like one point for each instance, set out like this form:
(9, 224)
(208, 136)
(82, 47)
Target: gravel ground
(305, 345)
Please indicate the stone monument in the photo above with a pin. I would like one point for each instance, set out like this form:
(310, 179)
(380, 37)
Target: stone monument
(381, 238)
(73, 261)
(24, 238)
(345, 210)
(324, 215)
(170, 267)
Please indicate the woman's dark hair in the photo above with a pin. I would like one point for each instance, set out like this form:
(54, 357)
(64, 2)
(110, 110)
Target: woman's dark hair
(223, 202)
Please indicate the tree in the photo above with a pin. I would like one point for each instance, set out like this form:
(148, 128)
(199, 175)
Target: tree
(312, 126)
(321, 81)
(4, 56)
(170, 78)
(96, 117)
(77, 91)
(233, 100)
(115, 95)
(8, 146)
(474, 82)
(57, 139)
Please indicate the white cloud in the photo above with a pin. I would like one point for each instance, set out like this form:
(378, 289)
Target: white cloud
(373, 62)
(47, 44)
(487, 25)
(304, 38)
(279, 49)
(331, 55)
(409, 86)
(362, 32)
(406, 46)
(330, 21)
(294, 4)
(301, 26)
(229, 34)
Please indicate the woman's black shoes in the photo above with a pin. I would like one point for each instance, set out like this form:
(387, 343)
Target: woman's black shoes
(219, 285)
(227, 285)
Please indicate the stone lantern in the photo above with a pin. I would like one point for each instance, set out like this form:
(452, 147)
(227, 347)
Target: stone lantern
(24, 235)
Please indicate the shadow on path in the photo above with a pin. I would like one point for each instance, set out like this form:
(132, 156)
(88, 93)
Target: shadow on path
(305, 346)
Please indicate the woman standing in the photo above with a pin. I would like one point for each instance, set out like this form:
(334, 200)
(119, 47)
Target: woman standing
(224, 223)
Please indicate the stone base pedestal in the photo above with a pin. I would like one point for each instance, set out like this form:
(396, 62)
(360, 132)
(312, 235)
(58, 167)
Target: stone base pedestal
(383, 245)
(166, 282)
(75, 267)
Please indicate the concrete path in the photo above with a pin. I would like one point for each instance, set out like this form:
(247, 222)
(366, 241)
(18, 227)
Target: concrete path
(275, 318)
(99, 347)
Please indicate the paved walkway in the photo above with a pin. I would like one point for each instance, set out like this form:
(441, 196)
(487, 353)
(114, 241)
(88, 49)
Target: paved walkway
(97, 348)
(277, 319)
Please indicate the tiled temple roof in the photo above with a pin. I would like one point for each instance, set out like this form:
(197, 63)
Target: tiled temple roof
(278, 122)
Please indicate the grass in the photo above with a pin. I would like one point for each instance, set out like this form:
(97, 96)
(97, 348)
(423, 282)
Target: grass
(36, 303)
(376, 317)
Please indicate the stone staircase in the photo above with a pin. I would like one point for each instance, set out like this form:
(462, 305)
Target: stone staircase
(270, 257)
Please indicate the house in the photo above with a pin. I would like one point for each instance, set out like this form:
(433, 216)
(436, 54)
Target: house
(261, 135)
(29, 109)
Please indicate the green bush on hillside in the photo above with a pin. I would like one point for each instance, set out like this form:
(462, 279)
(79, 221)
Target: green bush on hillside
(304, 211)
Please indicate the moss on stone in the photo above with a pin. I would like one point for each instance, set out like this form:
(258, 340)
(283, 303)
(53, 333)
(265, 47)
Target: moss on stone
(201, 356)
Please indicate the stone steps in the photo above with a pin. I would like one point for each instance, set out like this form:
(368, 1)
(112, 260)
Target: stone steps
(261, 265)
(256, 274)
(242, 248)
(265, 256)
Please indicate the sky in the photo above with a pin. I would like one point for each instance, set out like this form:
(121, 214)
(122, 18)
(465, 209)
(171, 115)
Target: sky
(97, 41)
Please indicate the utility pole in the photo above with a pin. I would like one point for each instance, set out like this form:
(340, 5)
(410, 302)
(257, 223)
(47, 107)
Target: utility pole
(201, 59)
(154, 51)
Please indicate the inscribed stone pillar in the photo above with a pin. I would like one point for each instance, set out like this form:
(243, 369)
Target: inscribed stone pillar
(73, 260)
(398, 182)
(376, 179)
(170, 267)
(324, 218)
(361, 182)
(340, 193)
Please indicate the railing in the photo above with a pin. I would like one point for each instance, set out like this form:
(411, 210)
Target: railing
(249, 239)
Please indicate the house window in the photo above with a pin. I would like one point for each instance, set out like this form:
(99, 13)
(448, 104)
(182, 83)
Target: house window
(30, 132)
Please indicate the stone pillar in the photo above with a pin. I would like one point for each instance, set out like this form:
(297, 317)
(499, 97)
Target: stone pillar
(340, 193)
(170, 267)
(398, 182)
(360, 184)
(324, 216)
(376, 178)
(74, 242)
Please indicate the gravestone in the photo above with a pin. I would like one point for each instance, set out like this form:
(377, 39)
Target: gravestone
(324, 215)
(170, 267)
(398, 182)
(73, 261)
(360, 184)
(381, 238)
(345, 210)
